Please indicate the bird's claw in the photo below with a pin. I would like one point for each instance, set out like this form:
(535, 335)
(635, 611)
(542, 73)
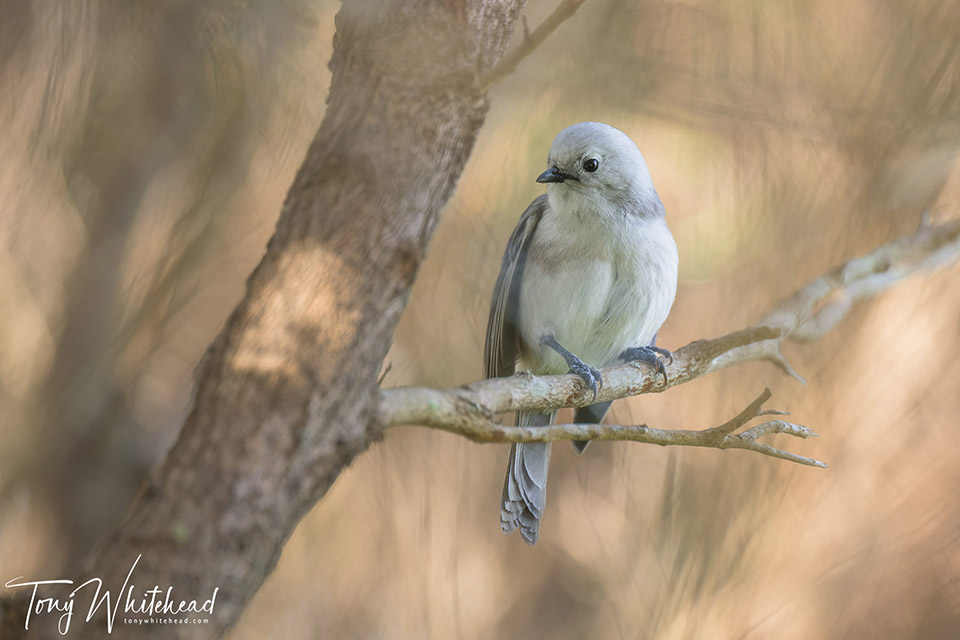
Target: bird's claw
(666, 353)
(588, 374)
(648, 355)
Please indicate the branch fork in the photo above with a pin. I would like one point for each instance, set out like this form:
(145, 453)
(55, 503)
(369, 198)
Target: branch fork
(483, 429)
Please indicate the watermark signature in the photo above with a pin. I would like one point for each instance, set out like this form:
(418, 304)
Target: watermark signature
(156, 605)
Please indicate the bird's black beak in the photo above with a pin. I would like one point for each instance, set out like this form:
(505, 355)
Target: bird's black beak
(553, 174)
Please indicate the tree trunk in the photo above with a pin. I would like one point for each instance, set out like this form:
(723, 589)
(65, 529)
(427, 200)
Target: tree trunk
(286, 393)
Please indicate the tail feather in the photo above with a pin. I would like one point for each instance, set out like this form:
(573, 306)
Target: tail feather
(525, 485)
(593, 414)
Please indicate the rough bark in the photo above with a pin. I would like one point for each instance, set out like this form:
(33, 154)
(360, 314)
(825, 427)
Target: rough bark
(287, 393)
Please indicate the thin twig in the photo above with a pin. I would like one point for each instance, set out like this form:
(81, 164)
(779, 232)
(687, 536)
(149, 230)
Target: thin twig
(384, 374)
(530, 42)
(720, 437)
(745, 416)
(748, 441)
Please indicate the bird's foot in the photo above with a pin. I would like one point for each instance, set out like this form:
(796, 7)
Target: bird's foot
(648, 355)
(588, 374)
(666, 353)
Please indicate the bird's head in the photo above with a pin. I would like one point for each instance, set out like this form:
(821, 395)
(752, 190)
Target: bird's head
(595, 165)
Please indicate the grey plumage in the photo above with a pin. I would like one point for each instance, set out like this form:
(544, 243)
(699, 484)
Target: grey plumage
(589, 273)
(525, 486)
(593, 414)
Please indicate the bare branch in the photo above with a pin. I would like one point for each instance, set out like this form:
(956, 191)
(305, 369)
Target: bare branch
(816, 308)
(530, 43)
(748, 440)
(469, 410)
(483, 429)
(752, 411)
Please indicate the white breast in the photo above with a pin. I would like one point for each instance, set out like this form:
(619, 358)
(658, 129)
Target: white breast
(598, 284)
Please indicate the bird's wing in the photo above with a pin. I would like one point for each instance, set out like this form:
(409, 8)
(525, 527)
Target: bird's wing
(503, 340)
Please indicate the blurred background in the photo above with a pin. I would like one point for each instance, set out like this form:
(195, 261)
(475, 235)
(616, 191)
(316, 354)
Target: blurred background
(146, 148)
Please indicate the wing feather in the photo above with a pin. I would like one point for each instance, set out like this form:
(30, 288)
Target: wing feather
(503, 340)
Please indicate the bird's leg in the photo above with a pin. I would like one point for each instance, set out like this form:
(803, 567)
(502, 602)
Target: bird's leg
(587, 373)
(648, 355)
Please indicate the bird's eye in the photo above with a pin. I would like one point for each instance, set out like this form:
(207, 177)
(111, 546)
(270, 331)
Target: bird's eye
(591, 164)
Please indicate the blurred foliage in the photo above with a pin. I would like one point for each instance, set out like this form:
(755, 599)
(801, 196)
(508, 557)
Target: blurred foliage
(146, 150)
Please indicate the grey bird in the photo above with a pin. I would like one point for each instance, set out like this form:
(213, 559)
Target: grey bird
(588, 278)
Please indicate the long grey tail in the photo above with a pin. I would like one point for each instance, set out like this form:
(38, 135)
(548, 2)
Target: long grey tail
(525, 487)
